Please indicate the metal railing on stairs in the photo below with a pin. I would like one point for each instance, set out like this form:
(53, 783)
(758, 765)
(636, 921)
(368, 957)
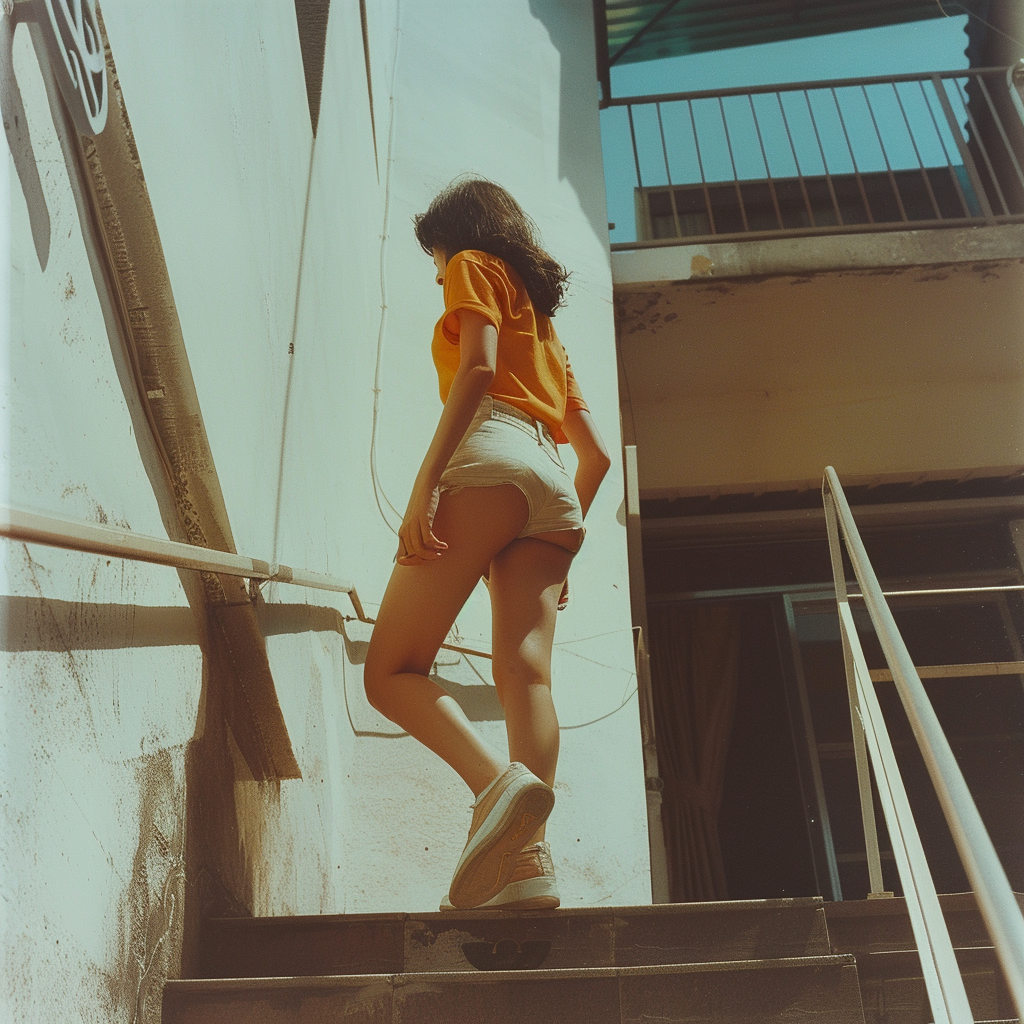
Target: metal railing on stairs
(38, 528)
(996, 901)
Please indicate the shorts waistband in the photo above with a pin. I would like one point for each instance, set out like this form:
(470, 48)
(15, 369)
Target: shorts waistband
(500, 409)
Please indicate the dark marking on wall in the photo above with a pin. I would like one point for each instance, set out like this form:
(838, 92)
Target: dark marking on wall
(988, 271)
(311, 16)
(642, 312)
(151, 911)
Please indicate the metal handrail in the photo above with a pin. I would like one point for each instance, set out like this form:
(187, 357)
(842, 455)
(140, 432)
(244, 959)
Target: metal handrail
(37, 528)
(999, 908)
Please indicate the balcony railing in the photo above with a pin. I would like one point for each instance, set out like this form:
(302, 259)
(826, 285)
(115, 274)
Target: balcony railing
(943, 149)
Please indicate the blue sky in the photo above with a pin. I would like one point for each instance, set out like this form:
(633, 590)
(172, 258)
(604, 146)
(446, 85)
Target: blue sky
(937, 44)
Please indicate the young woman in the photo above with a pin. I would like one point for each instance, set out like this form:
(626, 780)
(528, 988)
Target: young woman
(491, 499)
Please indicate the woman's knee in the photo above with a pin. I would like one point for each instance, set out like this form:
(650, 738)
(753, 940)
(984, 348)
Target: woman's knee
(375, 681)
(516, 676)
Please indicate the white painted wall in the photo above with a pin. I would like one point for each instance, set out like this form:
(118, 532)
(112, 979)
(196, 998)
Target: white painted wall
(94, 739)
(97, 707)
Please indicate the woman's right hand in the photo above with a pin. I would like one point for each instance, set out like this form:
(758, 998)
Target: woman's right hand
(417, 544)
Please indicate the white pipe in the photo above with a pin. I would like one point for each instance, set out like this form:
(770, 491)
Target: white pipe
(74, 535)
(34, 528)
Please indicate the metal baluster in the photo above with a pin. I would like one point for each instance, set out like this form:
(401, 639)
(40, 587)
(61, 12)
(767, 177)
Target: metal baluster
(632, 135)
(700, 164)
(961, 145)
(913, 142)
(643, 207)
(853, 160)
(824, 161)
(885, 156)
(1002, 131)
(981, 145)
(764, 157)
(796, 160)
(668, 174)
(954, 177)
(732, 160)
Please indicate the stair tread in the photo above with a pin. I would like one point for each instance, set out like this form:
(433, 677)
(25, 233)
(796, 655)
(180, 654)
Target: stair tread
(574, 939)
(539, 974)
(639, 910)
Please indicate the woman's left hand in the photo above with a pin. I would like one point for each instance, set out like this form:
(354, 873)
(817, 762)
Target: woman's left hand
(417, 544)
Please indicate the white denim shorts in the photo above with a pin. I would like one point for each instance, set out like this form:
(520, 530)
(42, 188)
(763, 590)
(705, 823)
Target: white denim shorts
(504, 445)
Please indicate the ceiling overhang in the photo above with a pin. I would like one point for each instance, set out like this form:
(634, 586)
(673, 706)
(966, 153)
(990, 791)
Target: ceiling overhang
(629, 31)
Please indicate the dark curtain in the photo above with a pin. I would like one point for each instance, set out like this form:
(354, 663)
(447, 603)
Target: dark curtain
(693, 678)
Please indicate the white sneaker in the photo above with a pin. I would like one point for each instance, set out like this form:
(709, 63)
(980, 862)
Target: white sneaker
(506, 816)
(531, 887)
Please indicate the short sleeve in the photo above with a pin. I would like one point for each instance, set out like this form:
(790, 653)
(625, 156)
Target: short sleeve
(472, 285)
(574, 401)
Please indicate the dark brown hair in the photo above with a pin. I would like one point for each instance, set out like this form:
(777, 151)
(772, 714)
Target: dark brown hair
(474, 213)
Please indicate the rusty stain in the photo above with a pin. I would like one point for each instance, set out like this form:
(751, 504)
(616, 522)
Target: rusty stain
(701, 266)
(69, 288)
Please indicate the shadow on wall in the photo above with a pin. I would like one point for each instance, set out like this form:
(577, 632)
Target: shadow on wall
(579, 141)
(478, 701)
(43, 624)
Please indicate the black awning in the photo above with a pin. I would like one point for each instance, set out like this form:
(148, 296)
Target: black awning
(672, 28)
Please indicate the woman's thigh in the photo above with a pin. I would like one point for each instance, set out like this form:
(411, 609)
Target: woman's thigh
(422, 601)
(525, 581)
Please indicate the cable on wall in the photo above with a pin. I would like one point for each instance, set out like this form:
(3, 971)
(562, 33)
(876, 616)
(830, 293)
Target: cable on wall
(378, 488)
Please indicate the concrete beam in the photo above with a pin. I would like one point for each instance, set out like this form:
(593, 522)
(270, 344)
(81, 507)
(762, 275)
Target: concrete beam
(637, 269)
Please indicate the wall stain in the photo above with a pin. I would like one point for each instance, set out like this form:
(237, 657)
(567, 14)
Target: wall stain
(150, 912)
(988, 271)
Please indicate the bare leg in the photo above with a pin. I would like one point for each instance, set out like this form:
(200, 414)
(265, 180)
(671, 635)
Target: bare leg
(525, 581)
(419, 607)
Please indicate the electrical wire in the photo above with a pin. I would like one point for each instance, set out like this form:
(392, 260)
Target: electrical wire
(378, 488)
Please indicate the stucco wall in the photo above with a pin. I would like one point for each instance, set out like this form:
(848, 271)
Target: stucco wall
(103, 682)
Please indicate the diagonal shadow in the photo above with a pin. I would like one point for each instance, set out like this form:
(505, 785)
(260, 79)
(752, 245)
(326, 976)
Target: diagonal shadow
(44, 624)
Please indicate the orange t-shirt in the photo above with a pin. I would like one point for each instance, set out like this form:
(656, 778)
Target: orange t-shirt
(532, 372)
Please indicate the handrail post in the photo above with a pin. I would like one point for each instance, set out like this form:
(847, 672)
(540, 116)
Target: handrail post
(965, 154)
(860, 750)
(943, 982)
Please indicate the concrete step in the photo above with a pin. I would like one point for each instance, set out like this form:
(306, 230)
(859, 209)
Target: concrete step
(688, 933)
(893, 991)
(808, 990)
(865, 926)
(879, 935)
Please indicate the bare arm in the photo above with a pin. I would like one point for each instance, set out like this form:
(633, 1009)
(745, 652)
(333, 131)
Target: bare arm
(581, 430)
(478, 352)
